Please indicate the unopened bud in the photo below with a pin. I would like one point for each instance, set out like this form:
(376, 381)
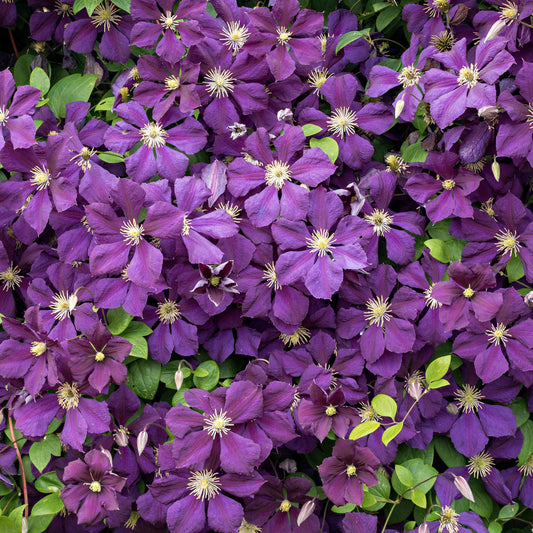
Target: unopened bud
(463, 487)
(142, 441)
(289, 466)
(495, 167)
(178, 377)
(495, 30)
(528, 299)
(489, 112)
(452, 409)
(285, 114)
(460, 15)
(24, 525)
(107, 453)
(121, 438)
(415, 390)
(423, 528)
(398, 108)
(305, 512)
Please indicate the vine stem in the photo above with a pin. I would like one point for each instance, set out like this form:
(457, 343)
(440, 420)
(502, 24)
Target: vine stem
(13, 43)
(22, 472)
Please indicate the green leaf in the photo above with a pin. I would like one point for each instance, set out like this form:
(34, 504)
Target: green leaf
(368, 501)
(381, 491)
(364, 429)
(8, 526)
(391, 432)
(387, 16)
(111, 157)
(384, 405)
(39, 524)
(350, 37)
(48, 483)
(22, 69)
(311, 129)
(508, 511)
(483, 504)
(438, 384)
(515, 269)
(438, 249)
(40, 80)
(106, 104)
(42, 450)
(143, 377)
(348, 508)
(16, 515)
(418, 498)
(527, 446)
(447, 452)
(520, 410)
(123, 4)
(118, 320)
(495, 527)
(328, 145)
(422, 476)
(135, 333)
(440, 230)
(169, 371)
(89, 5)
(404, 475)
(438, 368)
(73, 88)
(379, 6)
(50, 504)
(414, 153)
(206, 375)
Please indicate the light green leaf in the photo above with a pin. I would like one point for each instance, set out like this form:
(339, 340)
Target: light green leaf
(40, 80)
(111, 157)
(515, 269)
(418, 498)
(16, 515)
(438, 384)
(508, 511)
(350, 37)
(495, 527)
(135, 333)
(423, 476)
(143, 377)
(438, 249)
(106, 104)
(123, 4)
(387, 16)
(206, 375)
(527, 446)
(73, 88)
(311, 129)
(437, 369)
(364, 429)
(391, 432)
(520, 410)
(368, 501)
(118, 320)
(42, 450)
(8, 526)
(48, 483)
(328, 145)
(404, 475)
(348, 508)
(50, 504)
(414, 153)
(384, 405)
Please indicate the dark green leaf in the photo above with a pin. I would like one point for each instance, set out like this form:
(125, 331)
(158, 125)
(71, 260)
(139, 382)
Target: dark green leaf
(515, 268)
(527, 446)
(22, 69)
(143, 377)
(483, 504)
(206, 375)
(73, 88)
(169, 371)
(381, 491)
(520, 410)
(387, 16)
(118, 320)
(447, 452)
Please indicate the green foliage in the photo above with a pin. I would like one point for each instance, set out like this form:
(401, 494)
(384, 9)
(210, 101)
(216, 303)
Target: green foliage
(413, 153)
(311, 129)
(515, 268)
(206, 375)
(364, 429)
(22, 69)
(387, 16)
(328, 145)
(118, 320)
(483, 502)
(169, 371)
(111, 157)
(381, 493)
(350, 37)
(8, 526)
(42, 450)
(73, 88)
(48, 483)
(436, 370)
(527, 446)
(391, 432)
(143, 377)
(384, 405)
(40, 80)
(447, 452)
(508, 511)
(136, 333)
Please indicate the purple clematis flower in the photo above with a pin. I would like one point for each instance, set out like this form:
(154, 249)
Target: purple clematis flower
(326, 253)
(215, 281)
(91, 488)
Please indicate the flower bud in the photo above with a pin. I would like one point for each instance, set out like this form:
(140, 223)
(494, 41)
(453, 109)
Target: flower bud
(528, 299)
(415, 390)
(289, 466)
(24, 525)
(107, 453)
(178, 377)
(489, 112)
(305, 512)
(142, 441)
(495, 30)
(460, 14)
(495, 167)
(423, 528)
(285, 114)
(121, 438)
(398, 108)
(463, 487)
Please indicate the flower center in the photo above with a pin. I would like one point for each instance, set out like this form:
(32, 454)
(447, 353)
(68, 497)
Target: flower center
(132, 232)
(95, 486)
(40, 177)
(168, 311)
(284, 35)
(468, 292)
(498, 334)
(62, 9)
(448, 520)
(277, 173)
(468, 76)
(435, 8)
(381, 220)
(37, 348)
(377, 311)
(317, 78)
(351, 471)
(527, 467)
(285, 506)
(217, 424)
(448, 184)
(323, 41)
(4, 115)
(246, 527)
(104, 15)
(331, 410)
(366, 412)
(320, 242)
(214, 281)
(507, 242)
(509, 12)
(409, 76)
(444, 41)
(83, 158)
(10, 278)
(237, 130)
(204, 484)
(153, 135)
(168, 21)
(172, 83)
(269, 274)
(63, 304)
(431, 302)
(99, 356)
(480, 465)
(395, 163)
(469, 398)
(342, 122)
(219, 82)
(231, 209)
(300, 336)
(234, 35)
(68, 396)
